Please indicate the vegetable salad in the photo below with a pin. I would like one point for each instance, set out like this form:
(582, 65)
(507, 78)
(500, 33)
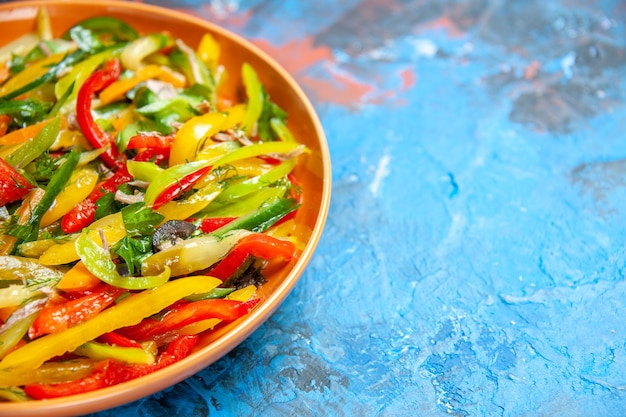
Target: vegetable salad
(139, 206)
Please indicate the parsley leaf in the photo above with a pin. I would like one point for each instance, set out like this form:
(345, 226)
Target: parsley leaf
(133, 250)
(140, 223)
(140, 220)
(106, 205)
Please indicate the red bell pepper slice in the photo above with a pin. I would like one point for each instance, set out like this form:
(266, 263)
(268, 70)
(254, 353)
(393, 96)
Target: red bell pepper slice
(116, 339)
(259, 245)
(176, 318)
(211, 224)
(110, 372)
(180, 187)
(150, 141)
(13, 185)
(84, 213)
(153, 155)
(96, 82)
(60, 317)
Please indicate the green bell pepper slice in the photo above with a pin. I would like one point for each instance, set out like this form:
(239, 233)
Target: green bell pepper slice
(171, 176)
(99, 263)
(254, 92)
(35, 146)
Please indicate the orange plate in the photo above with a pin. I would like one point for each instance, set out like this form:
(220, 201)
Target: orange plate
(313, 173)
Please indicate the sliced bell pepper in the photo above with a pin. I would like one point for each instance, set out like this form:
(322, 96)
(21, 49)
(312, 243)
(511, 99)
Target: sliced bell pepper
(257, 245)
(110, 372)
(128, 312)
(209, 51)
(143, 170)
(19, 136)
(261, 219)
(116, 339)
(100, 351)
(259, 149)
(81, 184)
(85, 212)
(116, 90)
(150, 140)
(254, 92)
(253, 184)
(181, 186)
(13, 185)
(135, 51)
(94, 134)
(110, 228)
(79, 74)
(12, 333)
(183, 209)
(211, 224)
(32, 72)
(194, 135)
(99, 263)
(50, 373)
(225, 310)
(173, 181)
(57, 318)
(35, 146)
(191, 255)
(30, 230)
(78, 279)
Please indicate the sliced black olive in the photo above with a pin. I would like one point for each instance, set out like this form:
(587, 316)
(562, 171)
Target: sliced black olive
(170, 233)
(123, 270)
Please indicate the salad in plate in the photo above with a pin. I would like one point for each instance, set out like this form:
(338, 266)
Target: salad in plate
(139, 205)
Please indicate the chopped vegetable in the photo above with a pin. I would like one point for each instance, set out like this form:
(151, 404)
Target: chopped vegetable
(138, 202)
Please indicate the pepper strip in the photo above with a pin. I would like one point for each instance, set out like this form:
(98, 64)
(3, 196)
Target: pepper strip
(179, 187)
(173, 181)
(13, 185)
(111, 372)
(84, 213)
(180, 316)
(127, 312)
(57, 318)
(258, 245)
(99, 263)
(95, 135)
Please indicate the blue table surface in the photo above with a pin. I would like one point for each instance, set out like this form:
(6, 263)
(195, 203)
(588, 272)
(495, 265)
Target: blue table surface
(473, 260)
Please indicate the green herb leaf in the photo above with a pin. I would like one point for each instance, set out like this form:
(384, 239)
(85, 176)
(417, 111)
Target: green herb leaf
(133, 251)
(106, 205)
(140, 220)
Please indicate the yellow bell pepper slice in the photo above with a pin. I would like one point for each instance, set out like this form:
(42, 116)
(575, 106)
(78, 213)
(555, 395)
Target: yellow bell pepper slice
(117, 90)
(183, 209)
(194, 135)
(243, 294)
(81, 184)
(112, 227)
(32, 72)
(209, 51)
(78, 279)
(235, 116)
(127, 312)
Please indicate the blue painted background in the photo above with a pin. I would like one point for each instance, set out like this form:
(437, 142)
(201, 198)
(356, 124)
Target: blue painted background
(473, 259)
